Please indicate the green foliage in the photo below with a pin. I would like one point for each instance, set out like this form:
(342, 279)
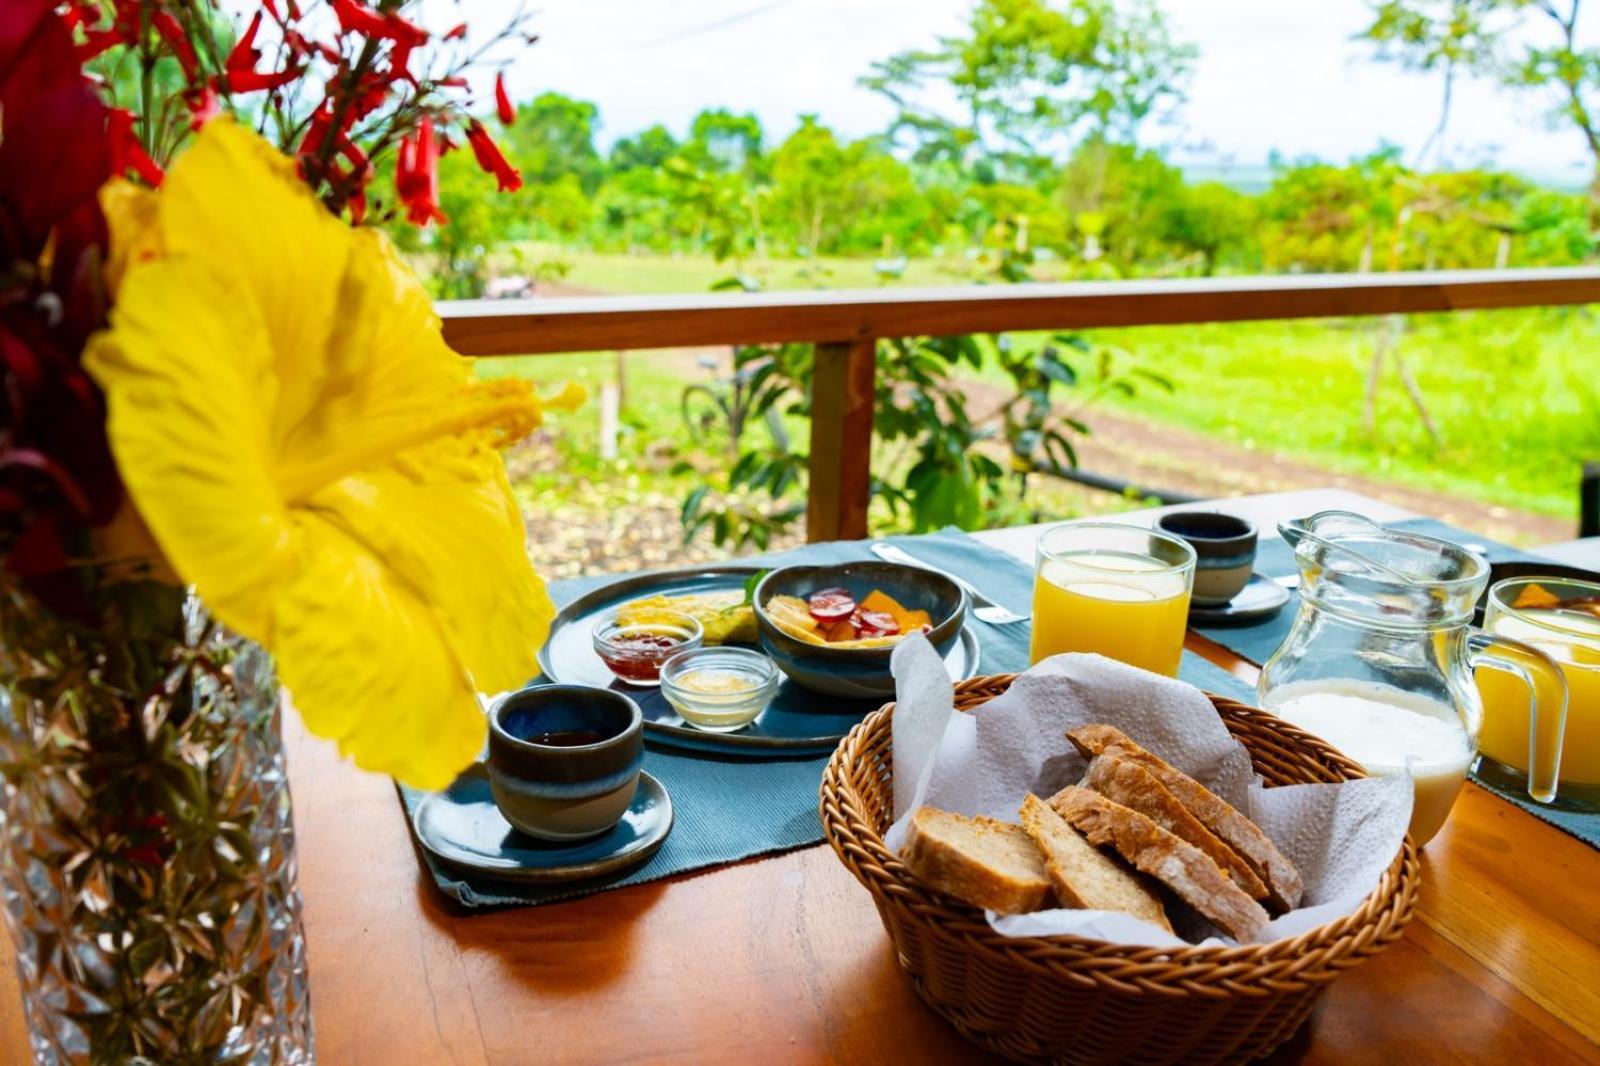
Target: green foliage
(1530, 45)
(936, 462)
(552, 138)
(1031, 76)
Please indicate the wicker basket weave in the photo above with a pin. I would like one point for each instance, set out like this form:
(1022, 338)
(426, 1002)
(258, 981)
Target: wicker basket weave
(1066, 999)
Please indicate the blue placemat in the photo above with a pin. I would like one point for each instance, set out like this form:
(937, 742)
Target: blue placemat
(1257, 642)
(727, 808)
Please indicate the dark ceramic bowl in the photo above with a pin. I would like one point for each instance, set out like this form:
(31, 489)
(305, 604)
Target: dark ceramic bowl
(1224, 548)
(564, 791)
(856, 672)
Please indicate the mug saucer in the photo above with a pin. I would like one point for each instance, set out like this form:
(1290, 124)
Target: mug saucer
(1260, 599)
(463, 828)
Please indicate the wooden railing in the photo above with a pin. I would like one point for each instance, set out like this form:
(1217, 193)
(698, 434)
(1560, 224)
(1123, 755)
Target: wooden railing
(846, 325)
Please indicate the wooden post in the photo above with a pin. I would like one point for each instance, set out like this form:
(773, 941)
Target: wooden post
(841, 440)
(1589, 501)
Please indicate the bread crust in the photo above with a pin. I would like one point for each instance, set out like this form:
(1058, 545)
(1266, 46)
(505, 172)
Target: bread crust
(1084, 876)
(1182, 867)
(955, 868)
(1132, 785)
(1283, 882)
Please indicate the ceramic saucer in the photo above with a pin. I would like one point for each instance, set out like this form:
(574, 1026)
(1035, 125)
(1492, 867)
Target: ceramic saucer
(1260, 599)
(462, 827)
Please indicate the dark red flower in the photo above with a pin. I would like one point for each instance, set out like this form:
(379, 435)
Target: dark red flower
(502, 101)
(490, 158)
(56, 472)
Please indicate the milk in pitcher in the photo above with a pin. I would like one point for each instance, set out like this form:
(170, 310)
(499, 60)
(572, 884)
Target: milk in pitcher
(1387, 731)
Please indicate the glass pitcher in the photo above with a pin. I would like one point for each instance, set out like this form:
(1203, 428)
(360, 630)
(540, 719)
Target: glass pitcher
(1380, 660)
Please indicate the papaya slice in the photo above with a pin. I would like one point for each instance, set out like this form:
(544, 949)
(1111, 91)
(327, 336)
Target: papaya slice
(835, 632)
(1536, 596)
(908, 621)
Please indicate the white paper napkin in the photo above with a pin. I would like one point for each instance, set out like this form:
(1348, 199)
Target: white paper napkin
(1341, 836)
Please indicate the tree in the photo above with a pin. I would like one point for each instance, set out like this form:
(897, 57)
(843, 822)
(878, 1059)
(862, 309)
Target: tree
(727, 143)
(1032, 76)
(1116, 195)
(829, 195)
(554, 136)
(649, 148)
(1524, 44)
(1212, 221)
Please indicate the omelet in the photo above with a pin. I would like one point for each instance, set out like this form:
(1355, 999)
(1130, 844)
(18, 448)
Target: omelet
(726, 617)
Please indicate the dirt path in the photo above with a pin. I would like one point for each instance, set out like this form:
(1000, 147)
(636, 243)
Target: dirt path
(1159, 456)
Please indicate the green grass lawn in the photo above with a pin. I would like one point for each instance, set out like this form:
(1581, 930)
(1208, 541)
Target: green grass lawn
(618, 272)
(1515, 394)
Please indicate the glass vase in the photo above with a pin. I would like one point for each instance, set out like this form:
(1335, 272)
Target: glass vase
(147, 860)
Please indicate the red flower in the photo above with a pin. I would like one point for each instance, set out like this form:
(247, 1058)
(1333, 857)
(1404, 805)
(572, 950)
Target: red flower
(202, 104)
(251, 81)
(245, 53)
(502, 102)
(356, 18)
(457, 32)
(490, 158)
(97, 41)
(126, 151)
(416, 175)
(171, 31)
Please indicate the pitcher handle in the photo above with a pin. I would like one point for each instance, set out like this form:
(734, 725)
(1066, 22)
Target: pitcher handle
(1522, 661)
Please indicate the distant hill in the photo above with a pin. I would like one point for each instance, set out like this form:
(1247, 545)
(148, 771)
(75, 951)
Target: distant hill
(1256, 177)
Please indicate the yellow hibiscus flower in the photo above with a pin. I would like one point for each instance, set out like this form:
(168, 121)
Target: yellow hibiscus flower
(313, 458)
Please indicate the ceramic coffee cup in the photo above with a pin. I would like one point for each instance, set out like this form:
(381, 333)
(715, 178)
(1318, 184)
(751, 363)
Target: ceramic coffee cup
(564, 759)
(1224, 548)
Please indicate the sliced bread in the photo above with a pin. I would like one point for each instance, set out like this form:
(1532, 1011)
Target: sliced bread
(977, 860)
(1284, 886)
(1084, 876)
(1126, 782)
(1182, 867)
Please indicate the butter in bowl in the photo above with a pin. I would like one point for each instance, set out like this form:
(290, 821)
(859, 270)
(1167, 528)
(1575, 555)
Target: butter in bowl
(719, 689)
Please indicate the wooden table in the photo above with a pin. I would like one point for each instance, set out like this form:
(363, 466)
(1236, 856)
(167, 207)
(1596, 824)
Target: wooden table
(783, 959)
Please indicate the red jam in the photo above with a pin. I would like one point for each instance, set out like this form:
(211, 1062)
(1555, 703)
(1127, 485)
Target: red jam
(635, 653)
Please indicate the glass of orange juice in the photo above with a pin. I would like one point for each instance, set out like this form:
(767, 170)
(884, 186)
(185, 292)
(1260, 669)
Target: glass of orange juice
(1119, 590)
(1562, 619)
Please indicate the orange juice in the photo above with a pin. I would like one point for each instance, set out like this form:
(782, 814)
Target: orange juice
(1572, 639)
(1123, 605)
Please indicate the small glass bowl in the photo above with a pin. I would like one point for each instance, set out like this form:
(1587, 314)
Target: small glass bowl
(719, 689)
(636, 651)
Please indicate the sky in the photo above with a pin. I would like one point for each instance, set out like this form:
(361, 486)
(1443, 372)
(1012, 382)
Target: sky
(1280, 75)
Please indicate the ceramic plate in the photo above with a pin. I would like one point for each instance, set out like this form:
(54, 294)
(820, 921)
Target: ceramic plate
(797, 721)
(463, 828)
(1260, 599)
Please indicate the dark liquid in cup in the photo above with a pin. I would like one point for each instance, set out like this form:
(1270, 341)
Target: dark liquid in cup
(569, 739)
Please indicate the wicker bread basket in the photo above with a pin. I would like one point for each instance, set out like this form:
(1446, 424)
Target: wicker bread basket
(1071, 1000)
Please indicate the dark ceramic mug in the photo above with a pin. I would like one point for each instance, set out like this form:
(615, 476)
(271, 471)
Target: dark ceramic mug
(564, 791)
(1225, 552)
